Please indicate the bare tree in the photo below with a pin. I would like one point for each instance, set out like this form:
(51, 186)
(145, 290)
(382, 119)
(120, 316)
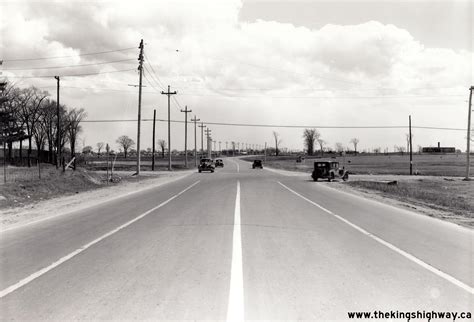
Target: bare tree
(321, 143)
(377, 150)
(125, 143)
(74, 118)
(355, 141)
(87, 149)
(100, 146)
(48, 125)
(400, 149)
(277, 139)
(310, 137)
(162, 145)
(339, 147)
(29, 112)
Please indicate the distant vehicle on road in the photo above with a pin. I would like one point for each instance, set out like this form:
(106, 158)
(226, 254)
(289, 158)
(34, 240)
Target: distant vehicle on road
(328, 170)
(257, 164)
(206, 165)
(219, 163)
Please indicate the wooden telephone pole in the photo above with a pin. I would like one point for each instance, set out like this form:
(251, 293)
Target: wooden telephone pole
(58, 129)
(169, 93)
(202, 126)
(411, 146)
(195, 140)
(468, 150)
(186, 111)
(140, 69)
(208, 136)
(153, 143)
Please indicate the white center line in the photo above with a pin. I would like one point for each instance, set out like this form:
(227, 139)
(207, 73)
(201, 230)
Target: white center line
(43, 271)
(235, 309)
(409, 256)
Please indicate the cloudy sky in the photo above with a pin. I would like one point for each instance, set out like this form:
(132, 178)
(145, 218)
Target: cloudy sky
(324, 64)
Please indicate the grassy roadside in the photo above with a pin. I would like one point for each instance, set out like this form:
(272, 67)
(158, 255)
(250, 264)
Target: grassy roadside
(24, 187)
(452, 199)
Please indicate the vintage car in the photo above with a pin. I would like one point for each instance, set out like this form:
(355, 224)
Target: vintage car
(219, 163)
(257, 164)
(206, 165)
(328, 170)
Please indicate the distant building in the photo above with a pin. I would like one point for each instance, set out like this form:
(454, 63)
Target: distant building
(438, 149)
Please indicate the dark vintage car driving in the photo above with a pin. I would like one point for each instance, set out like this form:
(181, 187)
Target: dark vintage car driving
(219, 163)
(328, 170)
(257, 164)
(206, 165)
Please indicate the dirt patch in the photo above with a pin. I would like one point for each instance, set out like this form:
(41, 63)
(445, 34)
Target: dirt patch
(26, 188)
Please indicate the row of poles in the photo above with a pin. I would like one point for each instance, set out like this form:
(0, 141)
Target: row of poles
(169, 93)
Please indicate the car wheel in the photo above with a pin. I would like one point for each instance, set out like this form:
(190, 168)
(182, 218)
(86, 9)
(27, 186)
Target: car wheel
(212, 171)
(345, 177)
(199, 171)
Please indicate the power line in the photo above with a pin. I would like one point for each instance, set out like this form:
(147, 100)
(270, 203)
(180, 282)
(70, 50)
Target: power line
(287, 126)
(322, 97)
(154, 73)
(70, 66)
(296, 97)
(69, 56)
(74, 75)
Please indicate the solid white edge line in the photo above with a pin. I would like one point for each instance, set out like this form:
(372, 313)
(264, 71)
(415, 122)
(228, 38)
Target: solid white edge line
(43, 271)
(409, 256)
(235, 309)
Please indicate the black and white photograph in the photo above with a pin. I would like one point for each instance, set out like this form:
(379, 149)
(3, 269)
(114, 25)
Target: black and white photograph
(236, 160)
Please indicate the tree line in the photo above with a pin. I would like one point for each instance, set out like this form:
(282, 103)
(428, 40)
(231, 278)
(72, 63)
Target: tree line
(30, 115)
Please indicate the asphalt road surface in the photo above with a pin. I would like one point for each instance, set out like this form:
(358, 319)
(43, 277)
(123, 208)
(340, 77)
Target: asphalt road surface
(232, 245)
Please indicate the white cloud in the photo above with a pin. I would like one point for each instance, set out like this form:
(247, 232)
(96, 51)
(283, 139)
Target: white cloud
(218, 54)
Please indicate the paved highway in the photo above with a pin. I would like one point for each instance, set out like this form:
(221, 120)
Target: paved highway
(236, 244)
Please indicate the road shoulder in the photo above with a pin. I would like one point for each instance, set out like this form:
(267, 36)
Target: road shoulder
(15, 217)
(409, 204)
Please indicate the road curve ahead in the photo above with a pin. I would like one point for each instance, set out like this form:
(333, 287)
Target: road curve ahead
(237, 244)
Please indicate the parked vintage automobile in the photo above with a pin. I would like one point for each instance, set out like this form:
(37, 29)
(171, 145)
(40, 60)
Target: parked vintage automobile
(219, 163)
(328, 170)
(206, 165)
(257, 164)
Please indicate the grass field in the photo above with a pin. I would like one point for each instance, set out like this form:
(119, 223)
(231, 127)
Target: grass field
(453, 196)
(453, 165)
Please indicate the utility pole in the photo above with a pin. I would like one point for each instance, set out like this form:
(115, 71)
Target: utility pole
(265, 153)
(153, 143)
(220, 150)
(58, 127)
(168, 93)
(186, 111)
(202, 126)
(140, 69)
(195, 140)
(411, 147)
(468, 150)
(208, 136)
